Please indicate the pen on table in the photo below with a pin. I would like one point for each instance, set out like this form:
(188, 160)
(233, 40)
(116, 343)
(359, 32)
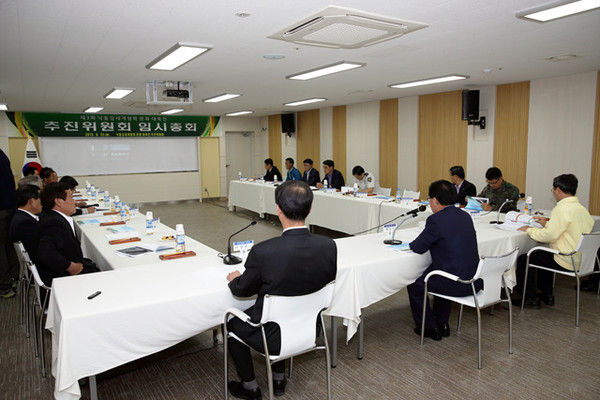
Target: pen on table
(91, 296)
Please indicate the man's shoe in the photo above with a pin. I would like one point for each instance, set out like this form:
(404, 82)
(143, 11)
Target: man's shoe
(530, 302)
(279, 387)
(547, 299)
(444, 329)
(587, 286)
(434, 334)
(7, 293)
(237, 390)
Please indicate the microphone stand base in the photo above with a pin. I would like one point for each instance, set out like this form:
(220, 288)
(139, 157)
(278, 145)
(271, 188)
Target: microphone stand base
(231, 260)
(392, 241)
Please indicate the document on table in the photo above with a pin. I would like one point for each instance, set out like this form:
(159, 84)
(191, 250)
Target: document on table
(400, 247)
(515, 220)
(94, 220)
(141, 249)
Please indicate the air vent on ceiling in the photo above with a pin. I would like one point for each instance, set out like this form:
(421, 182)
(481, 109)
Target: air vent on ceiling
(345, 28)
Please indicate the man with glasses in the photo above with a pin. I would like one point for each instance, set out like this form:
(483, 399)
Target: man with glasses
(568, 220)
(498, 191)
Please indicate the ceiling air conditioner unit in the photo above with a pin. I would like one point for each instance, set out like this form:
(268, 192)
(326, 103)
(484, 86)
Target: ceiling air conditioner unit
(345, 28)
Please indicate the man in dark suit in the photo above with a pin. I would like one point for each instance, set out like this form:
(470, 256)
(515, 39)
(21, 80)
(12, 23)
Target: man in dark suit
(272, 171)
(334, 178)
(311, 175)
(56, 249)
(450, 237)
(463, 188)
(295, 263)
(25, 220)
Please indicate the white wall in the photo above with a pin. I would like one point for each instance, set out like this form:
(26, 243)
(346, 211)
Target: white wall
(362, 138)
(561, 134)
(408, 142)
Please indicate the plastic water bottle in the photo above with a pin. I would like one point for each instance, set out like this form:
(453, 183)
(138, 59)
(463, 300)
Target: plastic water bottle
(529, 206)
(117, 204)
(180, 239)
(106, 199)
(123, 212)
(149, 223)
(398, 196)
(275, 178)
(355, 189)
(240, 175)
(325, 183)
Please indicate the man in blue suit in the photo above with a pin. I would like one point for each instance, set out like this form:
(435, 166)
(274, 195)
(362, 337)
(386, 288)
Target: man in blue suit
(450, 237)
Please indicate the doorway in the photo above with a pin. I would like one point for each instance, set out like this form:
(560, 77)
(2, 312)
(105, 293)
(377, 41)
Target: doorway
(239, 148)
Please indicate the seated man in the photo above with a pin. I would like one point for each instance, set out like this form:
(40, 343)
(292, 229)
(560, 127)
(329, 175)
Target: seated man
(292, 172)
(311, 175)
(9, 263)
(31, 180)
(568, 220)
(365, 180)
(272, 171)
(56, 249)
(498, 191)
(82, 207)
(334, 178)
(450, 237)
(30, 171)
(278, 266)
(25, 220)
(48, 175)
(463, 187)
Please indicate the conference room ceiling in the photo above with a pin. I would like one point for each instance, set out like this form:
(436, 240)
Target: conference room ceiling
(65, 55)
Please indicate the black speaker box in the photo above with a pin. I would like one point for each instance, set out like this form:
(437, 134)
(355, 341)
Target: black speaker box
(287, 123)
(470, 105)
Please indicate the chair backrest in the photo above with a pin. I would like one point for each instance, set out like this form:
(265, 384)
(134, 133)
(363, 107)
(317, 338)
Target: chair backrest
(588, 245)
(38, 283)
(23, 253)
(297, 317)
(490, 269)
(384, 191)
(409, 194)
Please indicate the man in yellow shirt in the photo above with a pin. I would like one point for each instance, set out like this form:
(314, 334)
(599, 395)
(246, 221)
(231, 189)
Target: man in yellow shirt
(568, 220)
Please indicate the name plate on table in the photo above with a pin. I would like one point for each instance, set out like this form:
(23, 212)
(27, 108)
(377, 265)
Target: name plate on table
(346, 189)
(243, 247)
(362, 195)
(389, 230)
(330, 190)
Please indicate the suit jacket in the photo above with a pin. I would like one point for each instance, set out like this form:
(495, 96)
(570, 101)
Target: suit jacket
(450, 237)
(466, 189)
(55, 247)
(295, 263)
(22, 229)
(313, 177)
(270, 175)
(337, 179)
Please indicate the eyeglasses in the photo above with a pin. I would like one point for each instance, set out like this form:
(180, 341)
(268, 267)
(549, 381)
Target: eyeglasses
(493, 183)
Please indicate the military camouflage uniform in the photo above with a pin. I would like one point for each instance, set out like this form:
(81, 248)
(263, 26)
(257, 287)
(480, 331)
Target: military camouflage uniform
(498, 196)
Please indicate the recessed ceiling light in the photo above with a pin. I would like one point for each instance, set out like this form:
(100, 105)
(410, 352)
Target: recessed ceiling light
(221, 97)
(557, 10)
(301, 102)
(234, 114)
(561, 57)
(176, 56)
(429, 81)
(242, 14)
(118, 93)
(172, 111)
(3, 107)
(273, 56)
(326, 70)
(93, 109)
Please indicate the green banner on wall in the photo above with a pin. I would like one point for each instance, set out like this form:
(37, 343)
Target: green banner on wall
(111, 125)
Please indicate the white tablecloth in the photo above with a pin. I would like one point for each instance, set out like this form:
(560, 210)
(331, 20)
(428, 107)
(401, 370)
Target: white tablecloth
(329, 210)
(141, 310)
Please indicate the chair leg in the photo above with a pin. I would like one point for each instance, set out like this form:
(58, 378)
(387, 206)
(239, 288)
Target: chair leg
(42, 346)
(525, 284)
(510, 317)
(269, 377)
(577, 303)
(460, 314)
(478, 338)
(423, 315)
(27, 312)
(333, 342)
(327, 361)
(225, 359)
(35, 327)
(290, 370)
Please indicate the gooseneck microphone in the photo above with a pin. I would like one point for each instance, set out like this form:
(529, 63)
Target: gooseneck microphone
(497, 221)
(229, 259)
(410, 214)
